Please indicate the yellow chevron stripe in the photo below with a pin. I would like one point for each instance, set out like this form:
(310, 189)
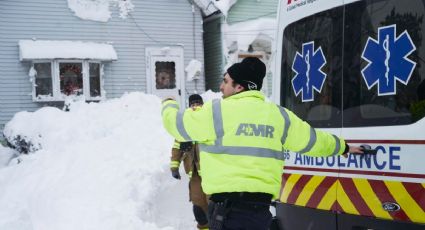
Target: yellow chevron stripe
(289, 185)
(308, 190)
(329, 198)
(370, 198)
(344, 201)
(423, 185)
(406, 202)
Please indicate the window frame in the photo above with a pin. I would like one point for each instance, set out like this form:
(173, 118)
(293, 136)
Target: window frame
(56, 93)
(33, 80)
(334, 73)
(101, 73)
(357, 113)
(360, 118)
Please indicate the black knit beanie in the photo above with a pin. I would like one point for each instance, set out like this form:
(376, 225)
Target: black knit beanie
(195, 98)
(249, 73)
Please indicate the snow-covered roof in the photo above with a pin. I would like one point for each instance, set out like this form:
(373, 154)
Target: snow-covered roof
(99, 10)
(33, 50)
(207, 6)
(224, 5)
(244, 33)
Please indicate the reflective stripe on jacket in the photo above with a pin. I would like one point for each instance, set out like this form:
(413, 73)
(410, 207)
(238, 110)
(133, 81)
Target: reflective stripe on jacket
(189, 157)
(242, 139)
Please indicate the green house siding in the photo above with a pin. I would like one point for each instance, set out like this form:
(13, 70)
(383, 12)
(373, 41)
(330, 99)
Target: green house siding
(213, 49)
(245, 10)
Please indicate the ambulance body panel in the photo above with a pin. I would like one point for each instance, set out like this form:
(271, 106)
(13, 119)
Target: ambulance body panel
(355, 69)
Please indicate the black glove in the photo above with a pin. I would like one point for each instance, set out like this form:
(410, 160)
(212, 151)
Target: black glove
(186, 146)
(175, 173)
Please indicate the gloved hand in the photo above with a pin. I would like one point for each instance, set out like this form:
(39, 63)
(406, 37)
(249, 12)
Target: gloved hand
(175, 173)
(186, 146)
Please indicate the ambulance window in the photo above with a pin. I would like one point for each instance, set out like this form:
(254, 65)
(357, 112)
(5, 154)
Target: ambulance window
(321, 107)
(377, 96)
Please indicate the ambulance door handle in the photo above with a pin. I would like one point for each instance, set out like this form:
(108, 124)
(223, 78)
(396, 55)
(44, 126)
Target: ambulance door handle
(368, 150)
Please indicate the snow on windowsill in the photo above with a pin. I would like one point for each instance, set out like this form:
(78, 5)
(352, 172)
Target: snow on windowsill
(37, 50)
(65, 98)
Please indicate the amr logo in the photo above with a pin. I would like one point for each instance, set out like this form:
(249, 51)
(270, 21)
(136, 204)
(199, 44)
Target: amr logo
(387, 60)
(309, 76)
(255, 130)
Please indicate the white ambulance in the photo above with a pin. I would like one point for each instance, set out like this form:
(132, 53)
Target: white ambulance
(357, 70)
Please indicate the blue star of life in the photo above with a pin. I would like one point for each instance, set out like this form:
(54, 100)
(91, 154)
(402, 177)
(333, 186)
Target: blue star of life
(308, 74)
(387, 60)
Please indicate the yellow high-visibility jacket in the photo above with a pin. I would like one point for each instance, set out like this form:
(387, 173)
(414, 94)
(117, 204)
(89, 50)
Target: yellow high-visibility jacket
(242, 139)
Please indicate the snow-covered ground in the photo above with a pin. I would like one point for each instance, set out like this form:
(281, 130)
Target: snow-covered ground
(98, 166)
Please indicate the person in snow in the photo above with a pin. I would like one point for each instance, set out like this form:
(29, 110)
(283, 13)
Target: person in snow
(242, 139)
(188, 152)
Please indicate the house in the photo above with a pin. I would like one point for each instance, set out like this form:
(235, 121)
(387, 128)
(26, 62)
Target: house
(234, 30)
(54, 50)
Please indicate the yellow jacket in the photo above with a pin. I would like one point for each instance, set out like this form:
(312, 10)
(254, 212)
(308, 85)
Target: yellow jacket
(242, 139)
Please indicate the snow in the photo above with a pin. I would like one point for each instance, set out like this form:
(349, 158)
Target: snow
(5, 155)
(244, 33)
(98, 10)
(193, 70)
(224, 5)
(32, 73)
(207, 6)
(210, 95)
(98, 166)
(39, 49)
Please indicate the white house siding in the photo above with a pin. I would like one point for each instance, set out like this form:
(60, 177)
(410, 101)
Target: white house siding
(167, 22)
(252, 9)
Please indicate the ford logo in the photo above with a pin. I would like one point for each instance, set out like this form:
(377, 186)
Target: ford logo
(390, 206)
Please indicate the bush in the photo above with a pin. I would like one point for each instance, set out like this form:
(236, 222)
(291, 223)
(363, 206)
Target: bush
(22, 144)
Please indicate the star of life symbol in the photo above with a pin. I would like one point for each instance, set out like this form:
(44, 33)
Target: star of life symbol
(309, 76)
(388, 60)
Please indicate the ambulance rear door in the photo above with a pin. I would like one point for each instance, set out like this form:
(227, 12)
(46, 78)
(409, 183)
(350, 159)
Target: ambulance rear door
(383, 107)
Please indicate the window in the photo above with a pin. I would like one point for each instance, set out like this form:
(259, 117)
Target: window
(325, 31)
(55, 80)
(95, 80)
(366, 107)
(43, 79)
(71, 78)
(165, 75)
(348, 97)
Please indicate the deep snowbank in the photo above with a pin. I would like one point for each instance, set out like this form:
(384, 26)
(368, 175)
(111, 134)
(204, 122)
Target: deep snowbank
(99, 166)
(6, 154)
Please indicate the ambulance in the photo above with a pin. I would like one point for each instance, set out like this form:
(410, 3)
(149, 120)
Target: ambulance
(355, 69)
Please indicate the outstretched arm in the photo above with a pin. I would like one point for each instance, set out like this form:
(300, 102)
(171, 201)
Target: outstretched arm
(188, 125)
(305, 139)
